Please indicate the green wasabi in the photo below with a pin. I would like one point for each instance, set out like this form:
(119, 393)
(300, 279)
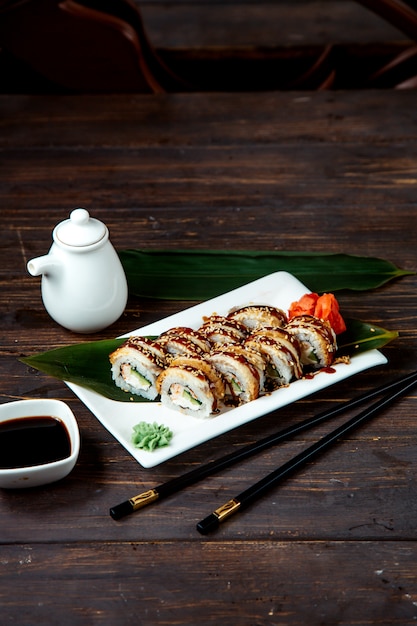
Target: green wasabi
(151, 436)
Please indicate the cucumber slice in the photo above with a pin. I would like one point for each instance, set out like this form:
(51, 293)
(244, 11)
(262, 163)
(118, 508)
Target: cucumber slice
(191, 398)
(235, 386)
(144, 382)
(272, 371)
(312, 357)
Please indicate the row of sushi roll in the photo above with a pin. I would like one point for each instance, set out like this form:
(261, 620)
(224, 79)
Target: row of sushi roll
(227, 361)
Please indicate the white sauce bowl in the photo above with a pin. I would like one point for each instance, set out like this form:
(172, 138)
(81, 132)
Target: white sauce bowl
(35, 475)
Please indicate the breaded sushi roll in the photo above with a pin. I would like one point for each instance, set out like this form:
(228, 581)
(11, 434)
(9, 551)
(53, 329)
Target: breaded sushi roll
(176, 345)
(188, 389)
(251, 354)
(281, 353)
(220, 330)
(317, 340)
(136, 364)
(240, 375)
(259, 315)
(184, 332)
(201, 363)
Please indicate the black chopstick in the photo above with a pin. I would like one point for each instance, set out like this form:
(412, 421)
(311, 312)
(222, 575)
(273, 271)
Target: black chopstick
(176, 484)
(247, 497)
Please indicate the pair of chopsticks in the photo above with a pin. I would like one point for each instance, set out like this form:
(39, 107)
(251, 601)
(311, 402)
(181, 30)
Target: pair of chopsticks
(392, 391)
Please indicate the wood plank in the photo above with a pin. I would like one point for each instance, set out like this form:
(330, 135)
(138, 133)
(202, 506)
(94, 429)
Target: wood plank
(187, 120)
(285, 582)
(176, 180)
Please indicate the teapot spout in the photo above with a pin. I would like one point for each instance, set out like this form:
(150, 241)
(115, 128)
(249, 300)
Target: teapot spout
(42, 265)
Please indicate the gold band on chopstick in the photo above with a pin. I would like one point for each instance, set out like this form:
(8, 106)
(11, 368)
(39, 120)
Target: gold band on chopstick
(227, 509)
(143, 499)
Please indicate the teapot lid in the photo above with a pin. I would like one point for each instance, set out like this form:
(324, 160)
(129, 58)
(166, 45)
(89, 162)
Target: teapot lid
(80, 230)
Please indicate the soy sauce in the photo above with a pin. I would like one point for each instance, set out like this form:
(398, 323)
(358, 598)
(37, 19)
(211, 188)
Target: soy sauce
(33, 441)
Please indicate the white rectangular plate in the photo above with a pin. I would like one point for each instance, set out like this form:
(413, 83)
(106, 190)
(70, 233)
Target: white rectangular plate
(279, 289)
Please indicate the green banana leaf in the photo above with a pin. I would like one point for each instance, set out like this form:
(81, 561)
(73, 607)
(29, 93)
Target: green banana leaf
(87, 364)
(200, 275)
(360, 337)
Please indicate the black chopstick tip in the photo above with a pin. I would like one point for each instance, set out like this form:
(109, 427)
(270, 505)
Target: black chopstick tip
(208, 524)
(121, 510)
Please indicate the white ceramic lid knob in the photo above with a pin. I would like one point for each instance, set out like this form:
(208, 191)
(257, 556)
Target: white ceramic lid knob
(80, 216)
(80, 230)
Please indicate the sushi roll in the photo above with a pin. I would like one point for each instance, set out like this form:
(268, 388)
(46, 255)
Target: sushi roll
(201, 363)
(317, 340)
(251, 354)
(183, 332)
(190, 385)
(220, 330)
(177, 345)
(136, 364)
(257, 316)
(281, 353)
(241, 376)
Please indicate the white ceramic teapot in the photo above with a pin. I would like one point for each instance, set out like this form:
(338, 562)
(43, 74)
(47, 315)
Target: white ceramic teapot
(83, 285)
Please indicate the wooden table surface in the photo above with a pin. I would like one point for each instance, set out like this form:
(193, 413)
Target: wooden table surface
(325, 172)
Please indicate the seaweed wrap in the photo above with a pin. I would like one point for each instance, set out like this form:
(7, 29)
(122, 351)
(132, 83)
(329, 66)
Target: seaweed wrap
(317, 340)
(136, 364)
